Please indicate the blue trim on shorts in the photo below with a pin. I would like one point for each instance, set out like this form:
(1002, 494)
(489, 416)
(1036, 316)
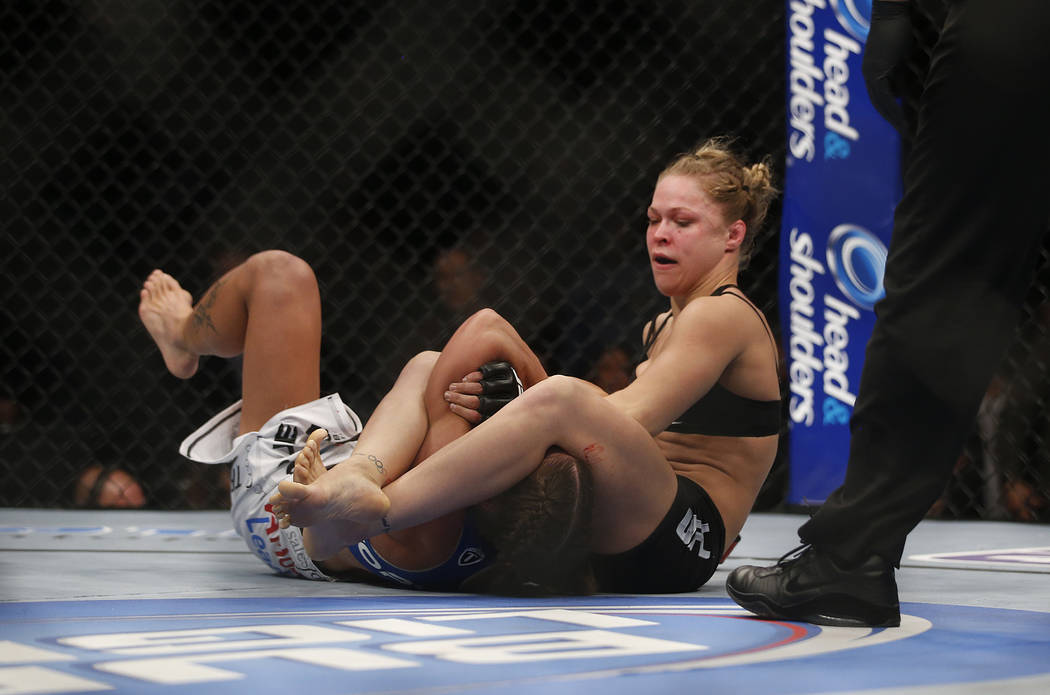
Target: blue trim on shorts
(472, 554)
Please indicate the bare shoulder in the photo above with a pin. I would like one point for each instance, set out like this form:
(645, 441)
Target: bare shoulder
(732, 310)
(654, 324)
(711, 311)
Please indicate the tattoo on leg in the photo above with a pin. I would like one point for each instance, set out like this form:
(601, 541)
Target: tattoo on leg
(202, 312)
(375, 462)
(386, 524)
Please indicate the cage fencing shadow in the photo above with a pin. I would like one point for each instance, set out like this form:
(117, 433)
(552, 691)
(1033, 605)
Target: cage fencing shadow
(427, 159)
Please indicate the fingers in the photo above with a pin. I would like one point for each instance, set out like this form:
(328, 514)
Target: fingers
(464, 400)
(468, 387)
(471, 416)
(497, 369)
(474, 408)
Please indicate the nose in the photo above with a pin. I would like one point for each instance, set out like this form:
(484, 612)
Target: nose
(659, 232)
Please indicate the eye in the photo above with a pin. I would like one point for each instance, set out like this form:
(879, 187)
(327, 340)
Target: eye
(683, 223)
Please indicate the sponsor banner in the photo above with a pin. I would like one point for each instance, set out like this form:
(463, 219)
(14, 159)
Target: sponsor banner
(840, 189)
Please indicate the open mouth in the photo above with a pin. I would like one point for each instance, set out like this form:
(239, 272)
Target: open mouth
(663, 260)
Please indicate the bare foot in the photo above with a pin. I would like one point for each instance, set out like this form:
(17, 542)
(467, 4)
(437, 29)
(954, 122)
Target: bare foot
(164, 308)
(342, 506)
(324, 539)
(308, 464)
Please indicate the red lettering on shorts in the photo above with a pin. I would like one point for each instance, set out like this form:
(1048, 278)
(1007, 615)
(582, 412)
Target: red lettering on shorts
(273, 519)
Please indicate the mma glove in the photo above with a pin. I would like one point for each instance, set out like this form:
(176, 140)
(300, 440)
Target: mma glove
(887, 49)
(499, 386)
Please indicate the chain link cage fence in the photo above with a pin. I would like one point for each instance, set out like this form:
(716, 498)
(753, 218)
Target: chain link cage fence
(427, 159)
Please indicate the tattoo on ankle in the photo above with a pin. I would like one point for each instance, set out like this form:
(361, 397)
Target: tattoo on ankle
(376, 461)
(202, 312)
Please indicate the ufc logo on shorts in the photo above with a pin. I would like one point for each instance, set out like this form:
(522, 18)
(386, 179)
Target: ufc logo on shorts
(691, 530)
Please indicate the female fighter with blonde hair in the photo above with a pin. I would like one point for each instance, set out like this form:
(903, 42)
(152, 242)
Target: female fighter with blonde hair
(677, 457)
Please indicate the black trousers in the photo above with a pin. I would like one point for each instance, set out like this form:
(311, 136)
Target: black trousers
(965, 243)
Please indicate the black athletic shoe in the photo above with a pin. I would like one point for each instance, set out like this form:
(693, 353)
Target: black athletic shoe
(813, 587)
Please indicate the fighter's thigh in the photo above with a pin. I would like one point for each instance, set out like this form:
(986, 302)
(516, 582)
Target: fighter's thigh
(282, 341)
(634, 484)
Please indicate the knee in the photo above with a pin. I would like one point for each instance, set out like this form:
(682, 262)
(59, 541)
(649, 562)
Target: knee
(488, 332)
(280, 264)
(554, 399)
(418, 369)
(485, 320)
(282, 273)
(423, 362)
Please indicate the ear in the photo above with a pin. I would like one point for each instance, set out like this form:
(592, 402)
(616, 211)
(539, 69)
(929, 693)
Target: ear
(737, 232)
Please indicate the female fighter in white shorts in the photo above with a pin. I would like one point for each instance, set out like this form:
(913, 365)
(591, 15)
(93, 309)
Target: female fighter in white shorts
(677, 457)
(268, 309)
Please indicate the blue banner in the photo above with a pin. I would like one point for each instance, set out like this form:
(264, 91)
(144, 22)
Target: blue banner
(841, 185)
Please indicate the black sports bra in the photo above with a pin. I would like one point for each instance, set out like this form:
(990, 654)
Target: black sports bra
(720, 412)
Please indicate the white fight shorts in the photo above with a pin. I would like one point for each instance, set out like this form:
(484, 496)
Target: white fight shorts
(264, 458)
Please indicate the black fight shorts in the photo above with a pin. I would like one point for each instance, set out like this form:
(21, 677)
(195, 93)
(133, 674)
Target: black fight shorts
(680, 555)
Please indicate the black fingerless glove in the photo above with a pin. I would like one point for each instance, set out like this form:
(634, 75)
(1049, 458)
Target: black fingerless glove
(499, 386)
(888, 47)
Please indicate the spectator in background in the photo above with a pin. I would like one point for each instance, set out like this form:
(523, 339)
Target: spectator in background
(1021, 442)
(10, 415)
(612, 371)
(107, 488)
(974, 489)
(459, 281)
(456, 290)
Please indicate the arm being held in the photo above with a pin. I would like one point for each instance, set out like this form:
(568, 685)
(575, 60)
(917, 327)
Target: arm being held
(481, 393)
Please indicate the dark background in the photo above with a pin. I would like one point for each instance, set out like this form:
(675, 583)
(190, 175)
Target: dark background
(426, 158)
